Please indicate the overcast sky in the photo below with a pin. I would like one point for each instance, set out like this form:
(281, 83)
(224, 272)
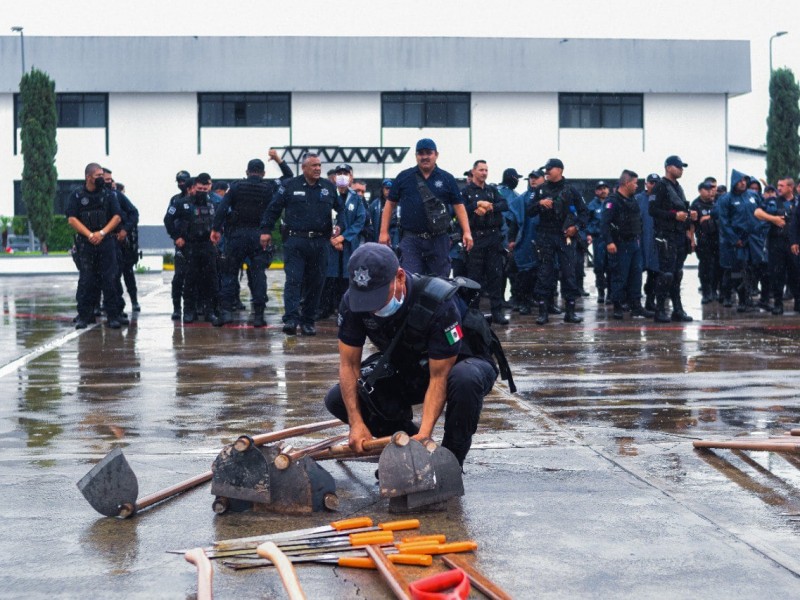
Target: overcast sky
(754, 20)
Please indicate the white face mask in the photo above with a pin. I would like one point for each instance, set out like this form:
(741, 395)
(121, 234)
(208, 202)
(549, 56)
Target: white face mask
(393, 305)
(342, 180)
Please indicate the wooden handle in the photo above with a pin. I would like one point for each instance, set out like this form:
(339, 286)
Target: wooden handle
(438, 538)
(794, 432)
(287, 457)
(489, 588)
(389, 572)
(399, 525)
(272, 553)
(371, 537)
(752, 445)
(205, 572)
(346, 450)
(355, 523)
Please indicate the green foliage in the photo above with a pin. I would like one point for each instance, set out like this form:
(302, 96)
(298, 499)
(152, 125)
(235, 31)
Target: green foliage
(62, 235)
(19, 225)
(39, 119)
(168, 258)
(783, 142)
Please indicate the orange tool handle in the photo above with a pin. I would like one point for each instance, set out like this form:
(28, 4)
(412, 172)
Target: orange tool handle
(399, 525)
(438, 538)
(420, 560)
(357, 562)
(355, 523)
(371, 537)
(468, 546)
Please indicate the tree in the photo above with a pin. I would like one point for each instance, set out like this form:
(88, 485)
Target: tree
(783, 142)
(38, 121)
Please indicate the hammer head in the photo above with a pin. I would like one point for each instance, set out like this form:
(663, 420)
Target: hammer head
(110, 485)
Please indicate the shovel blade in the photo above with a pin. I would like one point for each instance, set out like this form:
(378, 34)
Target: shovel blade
(110, 484)
(449, 484)
(405, 469)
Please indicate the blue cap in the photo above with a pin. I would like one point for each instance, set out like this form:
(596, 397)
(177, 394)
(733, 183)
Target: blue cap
(675, 161)
(387, 183)
(426, 144)
(371, 269)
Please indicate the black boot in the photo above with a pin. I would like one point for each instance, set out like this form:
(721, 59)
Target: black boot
(498, 318)
(637, 310)
(601, 295)
(224, 318)
(569, 313)
(176, 310)
(678, 314)
(778, 308)
(650, 302)
(660, 315)
(618, 313)
(135, 303)
(258, 316)
(543, 316)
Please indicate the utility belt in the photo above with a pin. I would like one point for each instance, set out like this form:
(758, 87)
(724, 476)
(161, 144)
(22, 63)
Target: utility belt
(627, 238)
(483, 232)
(425, 235)
(307, 234)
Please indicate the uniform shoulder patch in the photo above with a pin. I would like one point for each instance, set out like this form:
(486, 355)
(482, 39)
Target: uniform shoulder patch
(453, 333)
(171, 210)
(609, 204)
(186, 206)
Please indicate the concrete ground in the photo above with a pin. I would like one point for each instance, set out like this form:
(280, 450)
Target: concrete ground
(582, 485)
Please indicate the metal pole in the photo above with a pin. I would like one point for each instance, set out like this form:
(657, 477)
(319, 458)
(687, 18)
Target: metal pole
(772, 37)
(18, 29)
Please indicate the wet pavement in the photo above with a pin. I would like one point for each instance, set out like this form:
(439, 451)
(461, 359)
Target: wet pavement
(583, 484)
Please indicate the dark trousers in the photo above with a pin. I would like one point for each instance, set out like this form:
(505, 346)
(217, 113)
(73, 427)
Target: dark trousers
(783, 268)
(178, 277)
(554, 247)
(200, 288)
(625, 269)
(526, 281)
(305, 263)
(671, 248)
(600, 264)
(425, 256)
(244, 244)
(709, 270)
(98, 272)
(485, 265)
(467, 383)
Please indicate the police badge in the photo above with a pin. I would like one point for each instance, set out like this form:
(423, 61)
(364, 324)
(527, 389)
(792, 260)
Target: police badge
(361, 277)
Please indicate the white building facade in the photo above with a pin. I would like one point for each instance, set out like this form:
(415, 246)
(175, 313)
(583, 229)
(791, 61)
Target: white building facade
(148, 107)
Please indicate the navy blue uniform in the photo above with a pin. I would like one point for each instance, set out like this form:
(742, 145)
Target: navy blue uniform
(127, 249)
(485, 259)
(239, 216)
(422, 251)
(783, 266)
(308, 220)
(593, 228)
(709, 269)
(622, 225)
(179, 264)
(97, 264)
(470, 379)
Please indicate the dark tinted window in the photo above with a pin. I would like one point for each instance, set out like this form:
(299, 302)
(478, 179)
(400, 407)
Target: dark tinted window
(245, 110)
(411, 109)
(609, 111)
(76, 110)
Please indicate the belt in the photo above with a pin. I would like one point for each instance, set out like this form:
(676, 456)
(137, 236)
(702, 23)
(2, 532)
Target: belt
(422, 234)
(306, 234)
(482, 232)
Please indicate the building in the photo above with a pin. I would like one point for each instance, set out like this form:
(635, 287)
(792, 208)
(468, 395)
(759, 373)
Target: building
(149, 106)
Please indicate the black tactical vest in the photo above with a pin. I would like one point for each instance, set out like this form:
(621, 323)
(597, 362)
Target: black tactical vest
(94, 210)
(201, 221)
(250, 199)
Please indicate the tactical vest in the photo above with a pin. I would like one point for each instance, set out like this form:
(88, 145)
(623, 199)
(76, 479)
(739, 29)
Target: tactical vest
(250, 199)
(492, 219)
(677, 202)
(93, 211)
(630, 226)
(202, 219)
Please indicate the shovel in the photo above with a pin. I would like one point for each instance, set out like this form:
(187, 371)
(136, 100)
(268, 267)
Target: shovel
(111, 486)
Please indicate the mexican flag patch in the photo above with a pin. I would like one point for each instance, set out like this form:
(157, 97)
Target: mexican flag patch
(453, 333)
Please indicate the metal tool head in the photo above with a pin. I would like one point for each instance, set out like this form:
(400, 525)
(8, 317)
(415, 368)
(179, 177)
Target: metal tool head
(241, 471)
(405, 469)
(111, 486)
(301, 488)
(449, 484)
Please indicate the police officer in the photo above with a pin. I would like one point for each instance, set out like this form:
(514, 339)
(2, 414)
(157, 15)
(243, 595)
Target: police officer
(708, 268)
(522, 243)
(93, 212)
(431, 365)
(621, 228)
(308, 202)
(485, 207)
(593, 229)
(179, 274)
(189, 225)
(649, 256)
(672, 226)
(127, 236)
(424, 193)
(780, 211)
(346, 238)
(561, 210)
(508, 185)
(239, 215)
(375, 212)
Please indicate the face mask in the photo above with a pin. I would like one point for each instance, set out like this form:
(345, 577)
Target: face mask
(99, 183)
(393, 305)
(342, 180)
(201, 196)
(512, 183)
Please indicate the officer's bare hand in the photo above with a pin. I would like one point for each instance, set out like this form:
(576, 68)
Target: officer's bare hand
(739, 244)
(215, 237)
(611, 248)
(485, 205)
(571, 231)
(273, 155)
(681, 216)
(779, 222)
(705, 218)
(338, 243)
(121, 235)
(95, 238)
(358, 435)
(265, 240)
(511, 246)
(384, 239)
(546, 203)
(180, 242)
(480, 211)
(589, 238)
(466, 239)
(796, 249)
(693, 215)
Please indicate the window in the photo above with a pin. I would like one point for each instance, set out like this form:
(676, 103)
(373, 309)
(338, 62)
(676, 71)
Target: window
(64, 188)
(75, 110)
(244, 110)
(404, 109)
(607, 111)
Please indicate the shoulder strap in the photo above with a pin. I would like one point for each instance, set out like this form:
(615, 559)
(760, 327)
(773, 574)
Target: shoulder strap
(424, 190)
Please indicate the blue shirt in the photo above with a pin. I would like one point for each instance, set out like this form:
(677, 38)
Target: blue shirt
(406, 193)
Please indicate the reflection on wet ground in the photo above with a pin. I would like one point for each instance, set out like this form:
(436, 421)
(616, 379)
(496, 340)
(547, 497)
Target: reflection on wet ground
(629, 394)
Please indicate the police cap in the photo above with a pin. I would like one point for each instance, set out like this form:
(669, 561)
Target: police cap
(371, 269)
(203, 178)
(182, 176)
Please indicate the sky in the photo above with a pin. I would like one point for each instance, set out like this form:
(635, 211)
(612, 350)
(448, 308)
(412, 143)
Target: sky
(753, 20)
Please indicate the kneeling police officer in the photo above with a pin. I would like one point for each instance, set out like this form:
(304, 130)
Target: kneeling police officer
(424, 360)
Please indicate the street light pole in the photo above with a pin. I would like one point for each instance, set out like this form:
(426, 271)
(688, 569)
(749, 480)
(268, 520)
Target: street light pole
(779, 34)
(18, 29)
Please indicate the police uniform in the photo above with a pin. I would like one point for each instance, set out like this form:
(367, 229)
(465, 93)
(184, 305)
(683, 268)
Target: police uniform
(709, 270)
(389, 409)
(178, 264)
(672, 246)
(554, 247)
(375, 213)
(599, 261)
(485, 259)
(192, 221)
(622, 225)
(522, 231)
(128, 249)
(98, 264)
(308, 224)
(648, 243)
(423, 249)
(239, 217)
(783, 268)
